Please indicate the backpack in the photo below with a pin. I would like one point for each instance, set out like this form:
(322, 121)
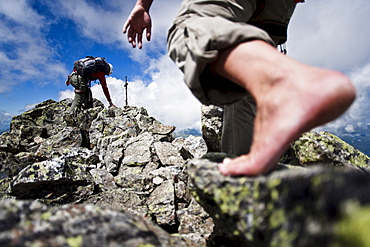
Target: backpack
(76, 80)
(89, 65)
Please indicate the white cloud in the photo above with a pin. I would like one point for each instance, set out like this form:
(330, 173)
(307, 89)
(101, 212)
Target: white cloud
(20, 12)
(92, 21)
(358, 115)
(349, 128)
(25, 54)
(66, 94)
(30, 106)
(332, 34)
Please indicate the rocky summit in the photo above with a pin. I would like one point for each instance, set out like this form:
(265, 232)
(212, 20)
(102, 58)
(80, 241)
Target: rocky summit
(118, 177)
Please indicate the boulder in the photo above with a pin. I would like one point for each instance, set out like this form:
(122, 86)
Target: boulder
(31, 223)
(211, 119)
(304, 203)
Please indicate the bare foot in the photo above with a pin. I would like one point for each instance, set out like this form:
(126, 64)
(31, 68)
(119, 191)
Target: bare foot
(297, 99)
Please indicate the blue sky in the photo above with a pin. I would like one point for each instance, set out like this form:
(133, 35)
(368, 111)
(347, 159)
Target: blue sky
(40, 40)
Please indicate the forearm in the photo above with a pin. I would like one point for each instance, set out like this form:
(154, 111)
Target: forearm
(101, 77)
(106, 91)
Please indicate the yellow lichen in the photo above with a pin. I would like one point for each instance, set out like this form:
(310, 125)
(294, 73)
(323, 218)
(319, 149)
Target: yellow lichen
(45, 216)
(75, 241)
(277, 218)
(353, 228)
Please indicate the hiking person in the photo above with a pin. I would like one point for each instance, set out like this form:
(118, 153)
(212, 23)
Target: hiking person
(225, 56)
(84, 71)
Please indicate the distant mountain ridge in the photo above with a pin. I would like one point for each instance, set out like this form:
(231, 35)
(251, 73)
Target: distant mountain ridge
(359, 141)
(187, 132)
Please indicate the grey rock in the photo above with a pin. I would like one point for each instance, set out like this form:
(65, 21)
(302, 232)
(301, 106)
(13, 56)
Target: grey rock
(195, 147)
(103, 179)
(289, 207)
(195, 223)
(58, 180)
(161, 204)
(211, 119)
(122, 199)
(77, 225)
(315, 147)
(168, 154)
(138, 150)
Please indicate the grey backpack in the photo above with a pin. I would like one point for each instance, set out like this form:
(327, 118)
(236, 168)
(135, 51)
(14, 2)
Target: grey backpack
(89, 65)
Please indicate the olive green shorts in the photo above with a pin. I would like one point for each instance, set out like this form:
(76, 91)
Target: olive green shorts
(204, 27)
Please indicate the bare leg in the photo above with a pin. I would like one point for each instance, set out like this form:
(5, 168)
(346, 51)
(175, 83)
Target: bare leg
(291, 98)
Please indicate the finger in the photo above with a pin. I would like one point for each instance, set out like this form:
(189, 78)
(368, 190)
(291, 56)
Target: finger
(125, 26)
(148, 35)
(130, 35)
(149, 32)
(140, 39)
(133, 43)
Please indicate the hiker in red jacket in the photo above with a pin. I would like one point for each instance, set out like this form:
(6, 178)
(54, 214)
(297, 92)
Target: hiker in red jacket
(226, 51)
(83, 96)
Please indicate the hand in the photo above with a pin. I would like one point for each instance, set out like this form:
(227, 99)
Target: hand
(111, 104)
(137, 22)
